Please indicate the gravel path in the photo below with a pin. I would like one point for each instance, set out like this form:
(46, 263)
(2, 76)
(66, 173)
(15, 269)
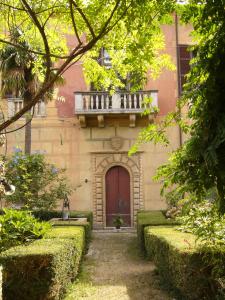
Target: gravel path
(114, 270)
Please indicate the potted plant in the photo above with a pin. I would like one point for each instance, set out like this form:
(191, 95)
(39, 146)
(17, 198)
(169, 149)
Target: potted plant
(118, 222)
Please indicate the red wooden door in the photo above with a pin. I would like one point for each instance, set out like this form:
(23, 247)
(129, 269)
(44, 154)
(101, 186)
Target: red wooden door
(118, 195)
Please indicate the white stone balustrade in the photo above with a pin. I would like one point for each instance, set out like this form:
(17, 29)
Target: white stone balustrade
(104, 103)
(16, 104)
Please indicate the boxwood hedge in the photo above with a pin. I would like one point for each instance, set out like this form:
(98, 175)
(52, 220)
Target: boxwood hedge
(182, 263)
(85, 225)
(153, 218)
(44, 268)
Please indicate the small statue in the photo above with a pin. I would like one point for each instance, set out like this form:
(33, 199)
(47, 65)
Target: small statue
(66, 208)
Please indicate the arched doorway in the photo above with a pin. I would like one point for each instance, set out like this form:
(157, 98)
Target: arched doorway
(118, 195)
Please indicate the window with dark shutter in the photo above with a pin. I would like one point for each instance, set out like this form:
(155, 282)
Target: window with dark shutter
(184, 64)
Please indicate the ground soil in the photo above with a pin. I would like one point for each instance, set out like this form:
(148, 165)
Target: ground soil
(114, 269)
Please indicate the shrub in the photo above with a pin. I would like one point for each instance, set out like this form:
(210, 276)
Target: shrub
(45, 215)
(153, 218)
(18, 227)
(68, 224)
(43, 269)
(204, 221)
(39, 185)
(182, 265)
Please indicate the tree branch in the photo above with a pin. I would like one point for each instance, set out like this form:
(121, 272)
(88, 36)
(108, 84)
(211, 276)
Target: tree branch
(12, 7)
(43, 35)
(110, 18)
(21, 127)
(84, 18)
(105, 30)
(46, 20)
(32, 51)
(73, 22)
(72, 63)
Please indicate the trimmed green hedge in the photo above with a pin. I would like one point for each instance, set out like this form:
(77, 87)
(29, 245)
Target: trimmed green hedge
(153, 218)
(182, 266)
(85, 225)
(48, 215)
(44, 268)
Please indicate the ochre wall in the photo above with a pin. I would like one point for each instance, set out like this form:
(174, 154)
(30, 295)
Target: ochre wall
(69, 146)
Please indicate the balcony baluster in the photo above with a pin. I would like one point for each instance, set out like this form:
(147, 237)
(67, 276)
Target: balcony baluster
(102, 102)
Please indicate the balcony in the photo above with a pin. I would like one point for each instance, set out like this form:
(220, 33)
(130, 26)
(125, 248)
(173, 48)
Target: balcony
(101, 104)
(16, 104)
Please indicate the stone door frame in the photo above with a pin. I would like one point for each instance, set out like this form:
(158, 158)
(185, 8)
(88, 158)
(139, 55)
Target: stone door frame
(101, 163)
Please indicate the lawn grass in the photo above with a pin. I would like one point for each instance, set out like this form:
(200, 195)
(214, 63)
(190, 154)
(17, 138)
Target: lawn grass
(82, 287)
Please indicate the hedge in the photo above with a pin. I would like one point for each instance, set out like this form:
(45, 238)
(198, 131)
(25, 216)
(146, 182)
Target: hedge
(85, 225)
(43, 269)
(153, 218)
(44, 215)
(182, 265)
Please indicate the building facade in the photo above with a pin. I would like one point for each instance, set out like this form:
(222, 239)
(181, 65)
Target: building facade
(91, 133)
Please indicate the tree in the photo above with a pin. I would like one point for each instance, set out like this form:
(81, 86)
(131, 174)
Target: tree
(199, 165)
(19, 78)
(129, 29)
(16, 66)
(39, 184)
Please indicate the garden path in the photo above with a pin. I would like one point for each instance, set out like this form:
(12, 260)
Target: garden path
(114, 270)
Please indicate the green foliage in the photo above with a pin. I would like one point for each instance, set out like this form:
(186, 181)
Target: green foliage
(152, 133)
(118, 221)
(180, 176)
(182, 263)
(152, 218)
(20, 227)
(204, 221)
(156, 132)
(39, 185)
(199, 165)
(134, 47)
(43, 269)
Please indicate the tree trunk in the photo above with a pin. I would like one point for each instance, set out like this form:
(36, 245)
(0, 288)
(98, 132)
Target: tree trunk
(27, 148)
(221, 196)
(27, 138)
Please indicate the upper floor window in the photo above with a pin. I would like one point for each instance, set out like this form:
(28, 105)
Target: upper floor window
(184, 63)
(16, 104)
(131, 80)
(105, 59)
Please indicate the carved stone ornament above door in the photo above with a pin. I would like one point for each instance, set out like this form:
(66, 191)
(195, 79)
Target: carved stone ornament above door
(116, 143)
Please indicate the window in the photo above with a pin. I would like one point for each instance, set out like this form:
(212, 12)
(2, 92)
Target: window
(184, 63)
(16, 104)
(105, 59)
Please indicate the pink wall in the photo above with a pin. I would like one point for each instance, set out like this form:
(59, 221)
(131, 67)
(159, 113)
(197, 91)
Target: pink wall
(166, 84)
(74, 81)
